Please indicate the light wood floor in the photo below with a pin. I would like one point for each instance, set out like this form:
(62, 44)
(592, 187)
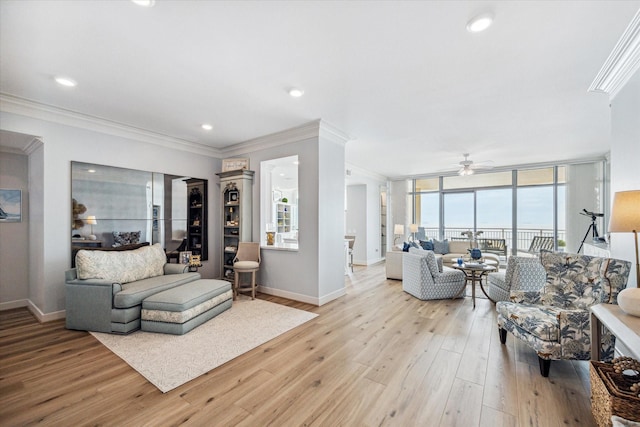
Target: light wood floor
(376, 356)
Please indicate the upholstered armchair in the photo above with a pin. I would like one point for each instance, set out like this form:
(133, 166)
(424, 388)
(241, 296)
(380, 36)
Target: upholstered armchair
(422, 278)
(554, 321)
(522, 274)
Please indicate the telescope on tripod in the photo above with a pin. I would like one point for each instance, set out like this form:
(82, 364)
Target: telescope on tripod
(593, 228)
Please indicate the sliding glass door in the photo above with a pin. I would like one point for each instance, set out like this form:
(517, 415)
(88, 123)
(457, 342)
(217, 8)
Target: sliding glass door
(459, 214)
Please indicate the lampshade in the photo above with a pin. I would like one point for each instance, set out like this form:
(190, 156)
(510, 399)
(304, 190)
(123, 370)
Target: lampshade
(91, 220)
(413, 228)
(398, 229)
(625, 212)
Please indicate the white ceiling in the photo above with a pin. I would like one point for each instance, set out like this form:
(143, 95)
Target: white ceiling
(405, 80)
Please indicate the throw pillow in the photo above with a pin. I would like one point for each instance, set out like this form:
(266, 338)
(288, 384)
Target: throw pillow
(427, 245)
(441, 247)
(121, 266)
(121, 238)
(405, 247)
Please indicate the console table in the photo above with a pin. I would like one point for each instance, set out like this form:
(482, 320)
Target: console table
(624, 327)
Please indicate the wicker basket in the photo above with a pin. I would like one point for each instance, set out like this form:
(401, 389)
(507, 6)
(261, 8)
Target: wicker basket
(610, 397)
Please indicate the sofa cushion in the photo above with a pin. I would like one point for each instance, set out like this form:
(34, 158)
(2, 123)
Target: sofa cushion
(121, 267)
(133, 293)
(540, 321)
(441, 247)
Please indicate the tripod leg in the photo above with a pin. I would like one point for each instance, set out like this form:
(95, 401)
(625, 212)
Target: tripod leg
(585, 237)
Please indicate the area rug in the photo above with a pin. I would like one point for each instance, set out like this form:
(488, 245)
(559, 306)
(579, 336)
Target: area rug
(169, 361)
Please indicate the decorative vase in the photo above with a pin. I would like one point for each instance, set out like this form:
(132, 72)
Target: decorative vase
(475, 253)
(629, 301)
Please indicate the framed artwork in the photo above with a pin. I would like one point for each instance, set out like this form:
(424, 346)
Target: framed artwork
(234, 164)
(277, 195)
(156, 212)
(10, 205)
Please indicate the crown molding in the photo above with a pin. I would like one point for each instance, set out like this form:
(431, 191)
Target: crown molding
(357, 171)
(33, 145)
(622, 63)
(313, 129)
(36, 110)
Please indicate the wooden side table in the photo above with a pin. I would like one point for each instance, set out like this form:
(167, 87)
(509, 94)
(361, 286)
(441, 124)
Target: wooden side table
(623, 326)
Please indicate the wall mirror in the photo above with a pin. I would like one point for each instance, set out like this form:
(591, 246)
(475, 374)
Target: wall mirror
(114, 206)
(279, 201)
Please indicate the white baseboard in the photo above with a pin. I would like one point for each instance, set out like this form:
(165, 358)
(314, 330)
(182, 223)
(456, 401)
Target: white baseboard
(14, 304)
(333, 295)
(38, 314)
(303, 298)
(46, 317)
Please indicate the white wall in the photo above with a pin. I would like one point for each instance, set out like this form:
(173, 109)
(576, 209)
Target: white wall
(14, 236)
(315, 272)
(356, 218)
(625, 157)
(61, 145)
(583, 191)
(363, 214)
(399, 210)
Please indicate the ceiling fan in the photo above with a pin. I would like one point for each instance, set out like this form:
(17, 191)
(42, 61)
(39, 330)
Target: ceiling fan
(467, 167)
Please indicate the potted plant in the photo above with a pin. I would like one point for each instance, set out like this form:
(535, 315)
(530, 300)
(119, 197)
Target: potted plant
(561, 245)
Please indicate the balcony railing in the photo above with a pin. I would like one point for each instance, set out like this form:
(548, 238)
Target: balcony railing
(524, 236)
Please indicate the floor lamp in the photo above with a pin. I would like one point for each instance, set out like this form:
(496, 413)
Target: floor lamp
(625, 217)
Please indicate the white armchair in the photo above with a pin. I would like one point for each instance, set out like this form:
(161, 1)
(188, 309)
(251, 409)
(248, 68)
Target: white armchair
(422, 278)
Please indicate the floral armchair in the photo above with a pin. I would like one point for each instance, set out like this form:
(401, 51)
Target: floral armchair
(554, 321)
(421, 277)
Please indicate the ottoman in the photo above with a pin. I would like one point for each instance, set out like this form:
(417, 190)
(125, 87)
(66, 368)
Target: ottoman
(178, 310)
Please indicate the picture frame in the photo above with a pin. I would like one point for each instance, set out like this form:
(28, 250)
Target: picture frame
(234, 164)
(185, 257)
(10, 205)
(277, 195)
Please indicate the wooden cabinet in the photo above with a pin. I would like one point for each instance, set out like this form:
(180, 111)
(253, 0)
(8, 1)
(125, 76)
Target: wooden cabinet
(197, 218)
(236, 189)
(283, 217)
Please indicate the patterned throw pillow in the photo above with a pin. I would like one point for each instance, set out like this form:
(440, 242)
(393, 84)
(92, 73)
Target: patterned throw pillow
(121, 238)
(441, 247)
(427, 245)
(121, 266)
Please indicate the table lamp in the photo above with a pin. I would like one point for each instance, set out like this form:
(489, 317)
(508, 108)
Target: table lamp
(625, 218)
(91, 220)
(413, 228)
(398, 230)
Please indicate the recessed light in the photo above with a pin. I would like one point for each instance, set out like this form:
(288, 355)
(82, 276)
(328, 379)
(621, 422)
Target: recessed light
(296, 162)
(295, 92)
(480, 23)
(91, 170)
(66, 81)
(145, 3)
(207, 126)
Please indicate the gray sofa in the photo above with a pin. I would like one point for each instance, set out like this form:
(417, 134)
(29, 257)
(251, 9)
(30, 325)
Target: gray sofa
(102, 298)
